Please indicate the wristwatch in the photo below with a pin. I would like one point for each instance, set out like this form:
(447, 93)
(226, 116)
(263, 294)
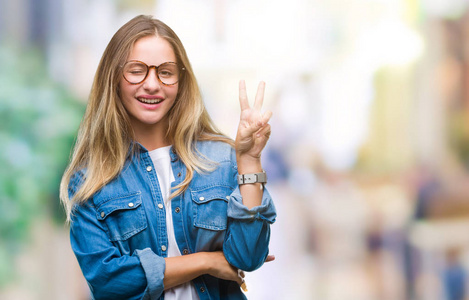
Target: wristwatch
(252, 178)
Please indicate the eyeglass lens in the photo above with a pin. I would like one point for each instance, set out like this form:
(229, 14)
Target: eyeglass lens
(136, 72)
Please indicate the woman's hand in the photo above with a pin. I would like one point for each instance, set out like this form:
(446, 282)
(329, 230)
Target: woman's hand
(253, 130)
(219, 267)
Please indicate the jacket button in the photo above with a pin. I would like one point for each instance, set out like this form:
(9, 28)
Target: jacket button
(177, 209)
(163, 248)
(131, 204)
(185, 251)
(160, 205)
(202, 289)
(149, 168)
(227, 197)
(201, 198)
(102, 214)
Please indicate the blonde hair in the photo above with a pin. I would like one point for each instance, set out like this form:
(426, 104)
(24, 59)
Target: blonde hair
(105, 135)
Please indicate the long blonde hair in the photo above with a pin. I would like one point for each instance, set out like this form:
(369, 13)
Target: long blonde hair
(105, 134)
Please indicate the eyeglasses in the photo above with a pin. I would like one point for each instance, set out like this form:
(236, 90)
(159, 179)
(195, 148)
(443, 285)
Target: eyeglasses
(136, 72)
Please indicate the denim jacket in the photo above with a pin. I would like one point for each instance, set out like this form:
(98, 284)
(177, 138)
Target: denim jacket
(120, 239)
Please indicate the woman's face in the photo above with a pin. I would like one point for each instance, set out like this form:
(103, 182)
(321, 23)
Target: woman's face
(148, 102)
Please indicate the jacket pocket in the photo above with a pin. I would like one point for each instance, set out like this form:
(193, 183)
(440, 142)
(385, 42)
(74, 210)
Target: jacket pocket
(123, 215)
(210, 207)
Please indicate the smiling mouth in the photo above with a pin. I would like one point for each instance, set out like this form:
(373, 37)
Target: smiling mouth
(150, 101)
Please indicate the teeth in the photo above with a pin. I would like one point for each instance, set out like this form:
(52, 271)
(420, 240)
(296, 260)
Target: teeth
(149, 101)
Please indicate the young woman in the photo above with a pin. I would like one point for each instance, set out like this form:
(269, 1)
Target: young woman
(161, 204)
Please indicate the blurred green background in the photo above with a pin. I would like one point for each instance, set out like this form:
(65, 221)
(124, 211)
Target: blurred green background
(39, 121)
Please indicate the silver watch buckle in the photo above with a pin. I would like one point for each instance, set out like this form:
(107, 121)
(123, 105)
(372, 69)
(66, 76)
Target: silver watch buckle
(252, 178)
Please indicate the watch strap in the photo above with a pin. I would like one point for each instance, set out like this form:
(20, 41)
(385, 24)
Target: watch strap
(252, 178)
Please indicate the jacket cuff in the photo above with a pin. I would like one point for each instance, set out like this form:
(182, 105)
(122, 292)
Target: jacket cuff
(237, 210)
(154, 267)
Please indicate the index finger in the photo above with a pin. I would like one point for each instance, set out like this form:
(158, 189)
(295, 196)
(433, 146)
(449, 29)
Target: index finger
(243, 97)
(270, 258)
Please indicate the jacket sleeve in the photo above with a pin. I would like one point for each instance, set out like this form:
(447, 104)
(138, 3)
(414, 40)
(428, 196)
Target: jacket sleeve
(246, 244)
(110, 274)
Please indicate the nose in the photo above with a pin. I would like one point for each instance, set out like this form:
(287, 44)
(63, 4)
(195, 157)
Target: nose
(152, 82)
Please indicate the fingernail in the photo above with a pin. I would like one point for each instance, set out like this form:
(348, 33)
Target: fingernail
(244, 287)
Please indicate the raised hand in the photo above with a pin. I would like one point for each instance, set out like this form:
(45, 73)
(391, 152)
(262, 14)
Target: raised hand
(253, 130)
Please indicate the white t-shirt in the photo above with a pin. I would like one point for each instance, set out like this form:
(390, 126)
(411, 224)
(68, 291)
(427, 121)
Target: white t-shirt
(162, 162)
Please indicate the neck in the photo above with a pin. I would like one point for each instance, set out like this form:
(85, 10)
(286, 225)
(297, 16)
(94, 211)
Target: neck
(152, 137)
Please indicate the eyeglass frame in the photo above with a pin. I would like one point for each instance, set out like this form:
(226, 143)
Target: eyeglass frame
(156, 70)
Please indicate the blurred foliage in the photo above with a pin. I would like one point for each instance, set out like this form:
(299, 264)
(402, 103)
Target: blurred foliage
(125, 5)
(459, 135)
(39, 121)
